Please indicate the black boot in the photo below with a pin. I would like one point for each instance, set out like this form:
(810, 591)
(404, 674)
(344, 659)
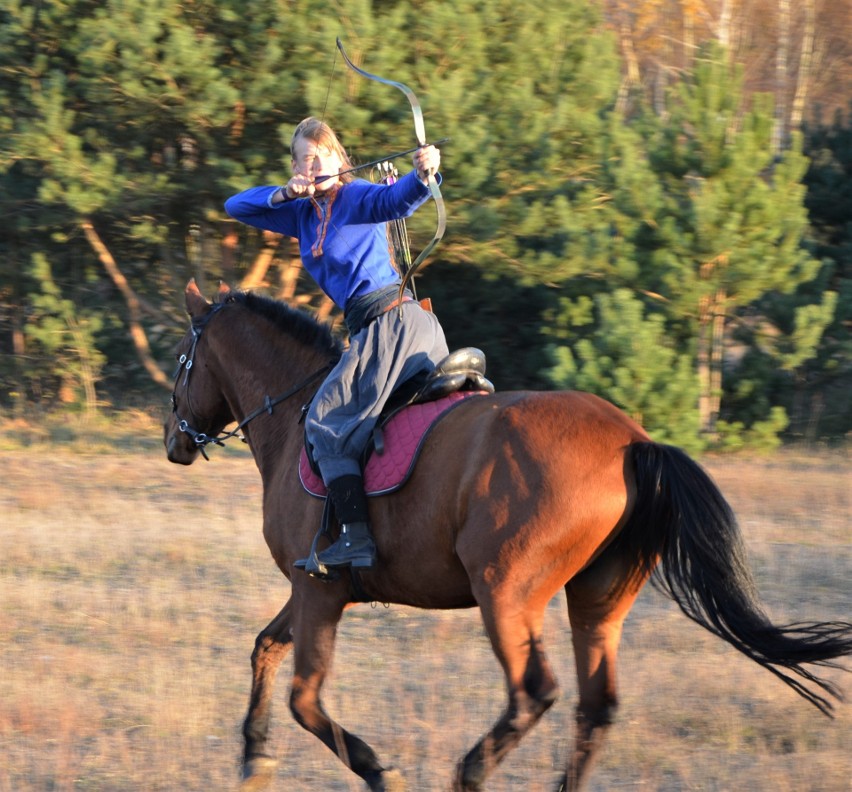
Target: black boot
(355, 547)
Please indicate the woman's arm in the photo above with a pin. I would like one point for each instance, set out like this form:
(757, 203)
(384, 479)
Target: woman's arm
(380, 203)
(262, 207)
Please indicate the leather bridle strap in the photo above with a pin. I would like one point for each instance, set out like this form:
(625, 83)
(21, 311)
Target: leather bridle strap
(185, 363)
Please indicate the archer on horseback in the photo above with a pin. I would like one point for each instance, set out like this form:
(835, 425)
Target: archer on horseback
(528, 492)
(340, 223)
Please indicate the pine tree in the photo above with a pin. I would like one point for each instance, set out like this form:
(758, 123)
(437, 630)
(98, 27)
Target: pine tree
(630, 359)
(730, 226)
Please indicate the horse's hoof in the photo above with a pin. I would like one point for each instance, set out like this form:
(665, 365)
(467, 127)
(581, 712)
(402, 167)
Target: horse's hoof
(258, 773)
(391, 781)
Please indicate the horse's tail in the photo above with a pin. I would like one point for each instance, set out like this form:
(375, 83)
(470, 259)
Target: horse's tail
(682, 519)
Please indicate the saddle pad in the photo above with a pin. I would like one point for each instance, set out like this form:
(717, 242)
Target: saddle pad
(404, 435)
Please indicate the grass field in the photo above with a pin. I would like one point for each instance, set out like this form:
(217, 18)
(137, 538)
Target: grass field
(131, 591)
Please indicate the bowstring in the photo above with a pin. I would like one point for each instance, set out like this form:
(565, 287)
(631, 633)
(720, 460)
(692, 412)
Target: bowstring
(398, 228)
(312, 199)
(328, 87)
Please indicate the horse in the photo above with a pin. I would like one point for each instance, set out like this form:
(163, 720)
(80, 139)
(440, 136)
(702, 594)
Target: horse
(515, 495)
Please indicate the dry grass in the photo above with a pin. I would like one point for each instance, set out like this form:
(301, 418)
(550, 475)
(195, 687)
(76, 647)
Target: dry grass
(132, 591)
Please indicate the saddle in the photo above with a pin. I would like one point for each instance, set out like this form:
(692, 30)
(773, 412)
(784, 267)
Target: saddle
(410, 413)
(403, 426)
(461, 371)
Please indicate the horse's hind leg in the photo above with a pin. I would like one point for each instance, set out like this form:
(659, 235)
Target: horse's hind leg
(270, 648)
(599, 599)
(516, 639)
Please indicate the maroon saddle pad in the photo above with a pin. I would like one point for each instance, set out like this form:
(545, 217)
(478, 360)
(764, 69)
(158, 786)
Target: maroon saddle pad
(404, 435)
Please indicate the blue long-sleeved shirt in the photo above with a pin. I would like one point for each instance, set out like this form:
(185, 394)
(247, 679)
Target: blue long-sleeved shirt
(342, 236)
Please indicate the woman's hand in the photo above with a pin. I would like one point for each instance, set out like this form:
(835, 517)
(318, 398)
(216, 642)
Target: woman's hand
(298, 186)
(426, 162)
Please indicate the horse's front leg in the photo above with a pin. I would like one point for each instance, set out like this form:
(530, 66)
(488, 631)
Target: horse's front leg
(270, 648)
(314, 635)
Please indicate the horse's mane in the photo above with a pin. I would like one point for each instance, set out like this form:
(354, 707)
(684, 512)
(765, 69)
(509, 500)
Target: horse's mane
(298, 324)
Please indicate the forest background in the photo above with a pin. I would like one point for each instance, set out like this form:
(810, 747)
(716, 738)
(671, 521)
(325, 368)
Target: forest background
(650, 200)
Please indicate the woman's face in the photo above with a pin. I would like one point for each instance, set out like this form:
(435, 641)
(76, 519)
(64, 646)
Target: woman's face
(314, 160)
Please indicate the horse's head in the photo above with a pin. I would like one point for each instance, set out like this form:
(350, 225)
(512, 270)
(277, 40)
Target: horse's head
(199, 409)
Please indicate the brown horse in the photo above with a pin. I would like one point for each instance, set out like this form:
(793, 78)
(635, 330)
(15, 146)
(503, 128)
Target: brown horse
(515, 495)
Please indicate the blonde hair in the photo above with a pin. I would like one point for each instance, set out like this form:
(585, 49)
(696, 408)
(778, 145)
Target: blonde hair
(321, 134)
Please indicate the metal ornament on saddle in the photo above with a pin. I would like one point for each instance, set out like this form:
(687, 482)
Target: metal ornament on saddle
(403, 427)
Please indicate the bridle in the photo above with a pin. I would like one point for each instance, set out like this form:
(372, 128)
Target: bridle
(185, 364)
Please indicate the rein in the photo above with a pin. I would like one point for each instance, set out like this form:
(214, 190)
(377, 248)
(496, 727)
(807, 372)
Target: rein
(185, 363)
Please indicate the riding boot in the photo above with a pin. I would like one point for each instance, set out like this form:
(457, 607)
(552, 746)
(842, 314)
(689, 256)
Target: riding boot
(355, 546)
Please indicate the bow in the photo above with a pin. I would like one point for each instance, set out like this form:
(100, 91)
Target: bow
(420, 134)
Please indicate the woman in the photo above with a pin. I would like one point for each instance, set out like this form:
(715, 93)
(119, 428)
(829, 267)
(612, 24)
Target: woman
(340, 224)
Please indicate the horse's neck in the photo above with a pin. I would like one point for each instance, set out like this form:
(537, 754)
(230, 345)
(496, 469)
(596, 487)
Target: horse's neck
(269, 381)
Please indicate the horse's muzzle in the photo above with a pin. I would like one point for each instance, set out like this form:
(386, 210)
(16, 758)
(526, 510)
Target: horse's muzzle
(177, 451)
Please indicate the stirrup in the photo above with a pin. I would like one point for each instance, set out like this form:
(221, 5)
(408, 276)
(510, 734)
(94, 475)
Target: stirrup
(312, 565)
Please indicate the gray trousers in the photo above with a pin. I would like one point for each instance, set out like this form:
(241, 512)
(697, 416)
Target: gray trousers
(385, 353)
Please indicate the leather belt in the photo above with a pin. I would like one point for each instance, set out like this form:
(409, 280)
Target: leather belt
(396, 303)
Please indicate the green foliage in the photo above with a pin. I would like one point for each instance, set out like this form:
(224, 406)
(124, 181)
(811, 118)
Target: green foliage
(67, 339)
(762, 437)
(730, 218)
(525, 121)
(495, 313)
(821, 402)
(141, 116)
(799, 345)
(694, 211)
(629, 359)
(810, 322)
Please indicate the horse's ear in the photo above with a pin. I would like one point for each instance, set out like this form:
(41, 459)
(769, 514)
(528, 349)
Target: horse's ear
(224, 291)
(195, 302)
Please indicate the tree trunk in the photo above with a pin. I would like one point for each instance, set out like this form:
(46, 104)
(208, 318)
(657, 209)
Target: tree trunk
(712, 310)
(688, 39)
(290, 279)
(717, 350)
(805, 65)
(705, 406)
(631, 74)
(782, 66)
(137, 332)
(193, 245)
(723, 29)
(228, 252)
(325, 308)
(19, 349)
(257, 274)
(88, 373)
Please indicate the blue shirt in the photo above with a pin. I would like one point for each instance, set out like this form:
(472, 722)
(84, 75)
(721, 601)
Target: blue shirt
(342, 235)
